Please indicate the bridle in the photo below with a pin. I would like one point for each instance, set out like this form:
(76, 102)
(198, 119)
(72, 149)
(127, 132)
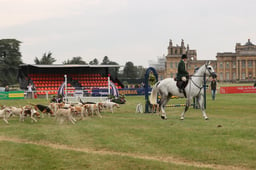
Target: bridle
(201, 87)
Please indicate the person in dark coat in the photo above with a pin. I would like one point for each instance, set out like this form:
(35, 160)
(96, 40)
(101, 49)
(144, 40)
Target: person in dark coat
(182, 74)
(6, 89)
(213, 88)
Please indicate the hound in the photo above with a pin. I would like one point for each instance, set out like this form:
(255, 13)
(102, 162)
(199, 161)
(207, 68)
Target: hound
(55, 106)
(79, 110)
(4, 113)
(110, 105)
(29, 111)
(42, 108)
(15, 111)
(93, 108)
(65, 114)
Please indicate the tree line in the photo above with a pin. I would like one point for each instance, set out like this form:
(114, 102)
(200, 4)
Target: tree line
(11, 58)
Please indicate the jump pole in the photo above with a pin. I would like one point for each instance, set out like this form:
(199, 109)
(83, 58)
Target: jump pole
(204, 91)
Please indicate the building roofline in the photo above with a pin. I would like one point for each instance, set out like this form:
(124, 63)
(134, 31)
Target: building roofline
(70, 65)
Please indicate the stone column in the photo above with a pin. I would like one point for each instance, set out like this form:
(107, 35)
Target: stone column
(253, 68)
(240, 65)
(237, 67)
(246, 68)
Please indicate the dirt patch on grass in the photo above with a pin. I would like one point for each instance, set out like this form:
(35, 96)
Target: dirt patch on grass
(169, 159)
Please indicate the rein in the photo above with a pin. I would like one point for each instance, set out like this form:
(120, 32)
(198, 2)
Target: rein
(200, 88)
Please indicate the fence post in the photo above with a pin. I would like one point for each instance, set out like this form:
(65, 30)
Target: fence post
(204, 91)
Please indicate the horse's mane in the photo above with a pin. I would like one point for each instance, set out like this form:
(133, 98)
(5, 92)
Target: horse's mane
(199, 70)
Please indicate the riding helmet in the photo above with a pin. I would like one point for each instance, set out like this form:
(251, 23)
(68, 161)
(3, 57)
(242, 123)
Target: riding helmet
(184, 56)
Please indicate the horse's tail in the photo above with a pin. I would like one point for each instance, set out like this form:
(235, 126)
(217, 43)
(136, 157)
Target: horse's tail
(153, 95)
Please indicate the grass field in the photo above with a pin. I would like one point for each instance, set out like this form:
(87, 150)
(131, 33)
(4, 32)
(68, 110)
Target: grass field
(129, 140)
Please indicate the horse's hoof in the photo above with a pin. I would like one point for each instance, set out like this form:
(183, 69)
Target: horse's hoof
(164, 118)
(206, 118)
(182, 118)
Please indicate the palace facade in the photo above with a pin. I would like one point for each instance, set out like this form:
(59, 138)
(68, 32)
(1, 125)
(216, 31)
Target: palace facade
(239, 66)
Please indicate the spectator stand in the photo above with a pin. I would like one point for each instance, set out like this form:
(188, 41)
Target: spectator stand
(82, 80)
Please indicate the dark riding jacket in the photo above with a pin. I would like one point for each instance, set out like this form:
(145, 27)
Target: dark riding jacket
(213, 84)
(181, 71)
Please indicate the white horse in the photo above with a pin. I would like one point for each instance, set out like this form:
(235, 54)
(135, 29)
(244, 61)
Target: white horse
(167, 88)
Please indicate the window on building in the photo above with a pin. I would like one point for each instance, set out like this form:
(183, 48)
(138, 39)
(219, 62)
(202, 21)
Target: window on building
(233, 76)
(243, 76)
(227, 76)
(221, 65)
(233, 64)
(249, 63)
(243, 63)
(249, 75)
(221, 76)
(227, 64)
(176, 64)
(171, 75)
(171, 65)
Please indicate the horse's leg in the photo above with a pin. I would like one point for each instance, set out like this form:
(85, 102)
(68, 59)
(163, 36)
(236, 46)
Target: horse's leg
(186, 109)
(201, 105)
(163, 102)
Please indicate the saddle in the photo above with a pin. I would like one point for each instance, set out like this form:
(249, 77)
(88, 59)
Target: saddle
(182, 85)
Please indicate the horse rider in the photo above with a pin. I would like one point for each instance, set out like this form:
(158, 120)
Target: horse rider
(182, 75)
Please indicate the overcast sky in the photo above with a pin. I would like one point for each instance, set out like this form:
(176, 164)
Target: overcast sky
(126, 30)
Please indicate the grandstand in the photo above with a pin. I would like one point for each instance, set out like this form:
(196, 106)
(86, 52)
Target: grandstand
(48, 78)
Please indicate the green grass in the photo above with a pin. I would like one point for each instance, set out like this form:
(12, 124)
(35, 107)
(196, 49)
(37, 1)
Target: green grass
(129, 140)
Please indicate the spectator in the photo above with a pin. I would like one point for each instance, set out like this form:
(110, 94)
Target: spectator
(213, 88)
(29, 92)
(6, 89)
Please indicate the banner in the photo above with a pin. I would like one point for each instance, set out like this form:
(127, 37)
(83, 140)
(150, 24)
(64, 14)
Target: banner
(125, 91)
(237, 89)
(11, 95)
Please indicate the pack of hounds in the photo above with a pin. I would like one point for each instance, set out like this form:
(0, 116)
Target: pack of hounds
(61, 111)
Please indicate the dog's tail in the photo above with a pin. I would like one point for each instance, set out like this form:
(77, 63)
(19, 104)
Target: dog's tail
(32, 104)
(81, 101)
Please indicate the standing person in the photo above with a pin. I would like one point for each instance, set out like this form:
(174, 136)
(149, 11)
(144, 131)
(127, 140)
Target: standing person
(6, 89)
(182, 74)
(30, 90)
(213, 88)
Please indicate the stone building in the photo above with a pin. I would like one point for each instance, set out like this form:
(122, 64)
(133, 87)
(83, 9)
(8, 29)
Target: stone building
(238, 66)
(174, 56)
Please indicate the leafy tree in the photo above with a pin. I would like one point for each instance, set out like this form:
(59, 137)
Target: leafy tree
(10, 60)
(112, 71)
(46, 59)
(130, 71)
(75, 60)
(94, 62)
(141, 71)
(105, 61)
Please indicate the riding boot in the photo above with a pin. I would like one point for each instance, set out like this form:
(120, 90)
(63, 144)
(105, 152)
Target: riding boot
(180, 90)
(180, 86)
(184, 92)
(183, 88)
